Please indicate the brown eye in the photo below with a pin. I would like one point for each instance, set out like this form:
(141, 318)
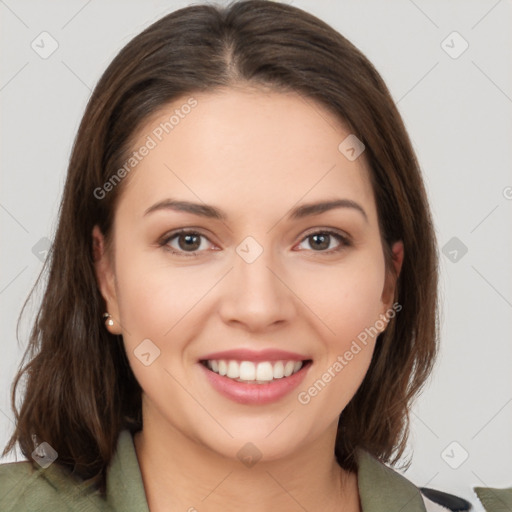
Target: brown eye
(320, 241)
(185, 243)
(189, 242)
(325, 241)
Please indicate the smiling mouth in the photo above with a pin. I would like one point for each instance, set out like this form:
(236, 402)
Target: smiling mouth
(249, 372)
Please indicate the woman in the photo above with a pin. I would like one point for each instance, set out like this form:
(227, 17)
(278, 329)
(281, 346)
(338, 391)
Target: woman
(241, 302)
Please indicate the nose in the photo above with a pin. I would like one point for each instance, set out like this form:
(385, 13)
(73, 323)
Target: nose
(256, 294)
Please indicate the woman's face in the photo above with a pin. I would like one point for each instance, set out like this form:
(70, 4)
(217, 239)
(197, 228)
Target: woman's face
(258, 272)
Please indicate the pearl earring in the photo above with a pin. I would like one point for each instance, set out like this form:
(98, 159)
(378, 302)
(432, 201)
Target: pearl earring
(108, 319)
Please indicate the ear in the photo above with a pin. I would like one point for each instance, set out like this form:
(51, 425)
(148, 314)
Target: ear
(105, 278)
(388, 292)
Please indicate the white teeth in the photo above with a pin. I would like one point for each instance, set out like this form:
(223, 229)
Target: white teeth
(288, 369)
(264, 371)
(223, 367)
(233, 370)
(247, 370)
(279, 370)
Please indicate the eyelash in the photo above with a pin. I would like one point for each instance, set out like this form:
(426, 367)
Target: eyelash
(344, 241)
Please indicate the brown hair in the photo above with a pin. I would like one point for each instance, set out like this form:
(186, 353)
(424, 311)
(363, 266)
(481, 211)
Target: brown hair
(80, 389)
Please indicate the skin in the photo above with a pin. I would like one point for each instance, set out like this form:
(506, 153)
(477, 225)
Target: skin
(255, 154)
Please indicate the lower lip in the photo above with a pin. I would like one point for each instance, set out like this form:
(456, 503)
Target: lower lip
(255, 393)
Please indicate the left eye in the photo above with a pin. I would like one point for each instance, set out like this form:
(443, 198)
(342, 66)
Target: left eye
(320, 241)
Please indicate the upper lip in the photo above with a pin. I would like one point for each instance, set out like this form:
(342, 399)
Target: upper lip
(251, 355)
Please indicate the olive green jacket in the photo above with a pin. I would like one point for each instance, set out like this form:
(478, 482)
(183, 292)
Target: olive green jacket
(26, 486)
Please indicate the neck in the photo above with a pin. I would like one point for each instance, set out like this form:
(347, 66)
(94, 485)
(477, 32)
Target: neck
(179, 473)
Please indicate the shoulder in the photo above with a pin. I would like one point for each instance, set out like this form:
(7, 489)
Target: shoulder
(383, 488)
(21, 485)
(494, 500)
(25, 486)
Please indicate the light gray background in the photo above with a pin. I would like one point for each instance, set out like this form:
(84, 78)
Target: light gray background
(458, 114)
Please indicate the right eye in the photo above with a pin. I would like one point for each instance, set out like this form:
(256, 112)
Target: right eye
(188, 242)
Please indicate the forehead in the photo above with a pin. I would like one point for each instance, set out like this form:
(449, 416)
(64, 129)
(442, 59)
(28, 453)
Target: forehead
(245, 147)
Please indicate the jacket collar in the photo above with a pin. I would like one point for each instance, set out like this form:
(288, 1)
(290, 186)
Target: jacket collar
(499, 500)
(380, 487)
(125, 490)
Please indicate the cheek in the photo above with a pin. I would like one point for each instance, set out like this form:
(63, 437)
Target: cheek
(152, 297)
(154, 301)
(349, 303)
(345, 297)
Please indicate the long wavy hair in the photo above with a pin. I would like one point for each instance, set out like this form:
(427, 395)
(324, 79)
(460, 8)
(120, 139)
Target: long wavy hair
(80, 390)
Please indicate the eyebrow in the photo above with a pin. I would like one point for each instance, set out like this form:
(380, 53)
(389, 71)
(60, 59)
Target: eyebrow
(212, 212)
